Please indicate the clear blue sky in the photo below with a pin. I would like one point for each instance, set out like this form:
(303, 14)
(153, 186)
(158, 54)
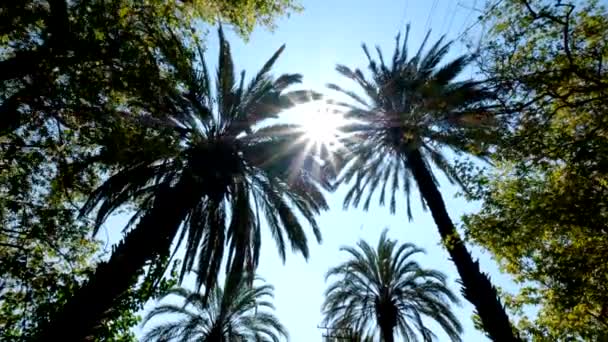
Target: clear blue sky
(326, 33)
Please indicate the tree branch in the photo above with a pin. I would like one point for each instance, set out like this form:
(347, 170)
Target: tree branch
(26, 62)
(566, 39)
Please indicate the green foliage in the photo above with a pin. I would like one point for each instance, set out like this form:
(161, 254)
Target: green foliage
(40, 272)
(544, 209)
(232, 313)
(384, 289)
(244, 15)
(80, 83)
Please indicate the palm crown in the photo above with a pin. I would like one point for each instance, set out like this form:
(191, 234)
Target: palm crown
(410, 104)
(234, 313)
(234, 169)
(385, 286)
(415, 111)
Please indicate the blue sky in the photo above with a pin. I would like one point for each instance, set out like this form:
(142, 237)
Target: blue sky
(327, 33)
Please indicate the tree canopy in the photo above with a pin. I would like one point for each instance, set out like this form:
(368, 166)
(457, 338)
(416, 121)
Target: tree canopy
(108, 105)
(235, 312)
(75, 79)
(544, 207)
(382, 291)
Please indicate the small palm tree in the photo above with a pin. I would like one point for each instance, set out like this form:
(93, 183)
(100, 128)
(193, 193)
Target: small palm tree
(415, 110)
(221, 170)
(384, 288)
(237, 312)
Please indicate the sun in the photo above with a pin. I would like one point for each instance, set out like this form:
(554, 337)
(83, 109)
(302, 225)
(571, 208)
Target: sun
(321, 124)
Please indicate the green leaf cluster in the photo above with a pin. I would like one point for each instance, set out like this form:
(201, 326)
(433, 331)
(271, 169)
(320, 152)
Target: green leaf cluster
(545, 208)
(80, 86)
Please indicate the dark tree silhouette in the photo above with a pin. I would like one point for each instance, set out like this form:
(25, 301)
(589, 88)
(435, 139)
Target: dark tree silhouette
(384, 289)
(216, 179)
(414, 110)
(236, 312)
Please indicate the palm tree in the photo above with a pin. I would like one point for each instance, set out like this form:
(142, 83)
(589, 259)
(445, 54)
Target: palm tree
(222, 172)
(414, 110)
(384, 286)
(237, 313)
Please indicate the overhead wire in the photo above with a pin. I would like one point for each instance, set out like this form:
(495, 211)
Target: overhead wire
(427, 26)
(479, 20)
(445, 17)
(403, 17)
(466, 19)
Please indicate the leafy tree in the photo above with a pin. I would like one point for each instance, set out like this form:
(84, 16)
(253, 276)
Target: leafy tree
(383, 288)
(76, 77)
(77, 72)
(222, 171)
(49, 34)
(45, 252)
(237, 312)
(42, 262)
(245, 15)
(544, 207)
(413, 112)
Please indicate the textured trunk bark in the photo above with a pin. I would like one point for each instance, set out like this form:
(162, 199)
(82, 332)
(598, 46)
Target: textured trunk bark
(387, 332)
(152, 237)
(476, 287)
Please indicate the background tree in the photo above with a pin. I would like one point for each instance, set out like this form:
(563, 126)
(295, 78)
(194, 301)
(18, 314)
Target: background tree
(413, 112)
(383, 290)
(544, 207)
(236, 312)
(45, 254)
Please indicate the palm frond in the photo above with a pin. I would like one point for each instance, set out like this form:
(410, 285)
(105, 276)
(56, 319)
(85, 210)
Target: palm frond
(236, 310)
(236, 168)
(412, 103)
(374, 280)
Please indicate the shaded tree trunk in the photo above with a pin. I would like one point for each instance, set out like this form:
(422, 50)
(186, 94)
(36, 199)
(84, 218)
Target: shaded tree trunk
(386, 314)
(386, 330)
(152, 237)
(476, 286)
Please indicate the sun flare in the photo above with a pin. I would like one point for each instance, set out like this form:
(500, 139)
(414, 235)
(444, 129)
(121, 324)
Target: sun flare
(321, 124)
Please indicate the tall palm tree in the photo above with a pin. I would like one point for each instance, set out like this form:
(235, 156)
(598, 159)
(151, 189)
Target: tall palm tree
(237, 312)
(221, 172)
(414, 110)
(386, 287)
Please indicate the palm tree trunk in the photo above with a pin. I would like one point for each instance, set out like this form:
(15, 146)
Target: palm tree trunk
(387, 332)
(476, 286)
(152, 237)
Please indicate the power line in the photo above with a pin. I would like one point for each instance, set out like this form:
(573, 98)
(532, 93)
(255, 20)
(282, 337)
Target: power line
(428, 19)
(479, 20)
(456, 9)
(403, 16)
(445, 17)
(466, 19)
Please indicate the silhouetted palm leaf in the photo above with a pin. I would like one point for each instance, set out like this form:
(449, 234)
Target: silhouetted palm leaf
(382, 289)
(416, 110)
(242, 170)
(219, 173)
(235, 313)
